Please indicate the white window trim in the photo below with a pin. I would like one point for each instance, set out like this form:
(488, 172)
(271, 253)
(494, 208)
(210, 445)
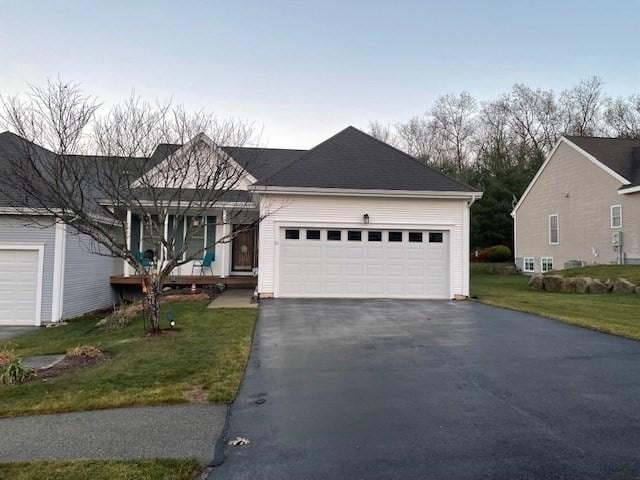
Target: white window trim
(542, 264)
(524, 264)
(611, 215)
(557, 229)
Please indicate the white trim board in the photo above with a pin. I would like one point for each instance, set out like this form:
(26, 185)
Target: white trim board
(39, 247)
(57, 300)
(584, 153)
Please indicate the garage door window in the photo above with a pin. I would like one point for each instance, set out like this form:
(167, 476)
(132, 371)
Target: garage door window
(415, 237)
(354, 236)
(334, 235)
(395, 236)
(313, 234)
(375, 236)
(292, 234)
(435, 237)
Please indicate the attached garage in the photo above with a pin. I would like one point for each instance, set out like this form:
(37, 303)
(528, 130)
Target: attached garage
(354, 217)
(363, 262)
(21, 284)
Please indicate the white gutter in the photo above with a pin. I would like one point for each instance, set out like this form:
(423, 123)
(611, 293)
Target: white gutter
(365, 192)
(625, 191)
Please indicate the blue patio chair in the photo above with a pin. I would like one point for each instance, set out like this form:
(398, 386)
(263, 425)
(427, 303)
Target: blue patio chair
(206, 262)
(142, 260)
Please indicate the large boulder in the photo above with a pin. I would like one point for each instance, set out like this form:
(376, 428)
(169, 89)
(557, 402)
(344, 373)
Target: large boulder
(536, 282)
(553, 283)
(622, 285)
(583, 284)
(598, 286)
(505, 270)
(568, 285)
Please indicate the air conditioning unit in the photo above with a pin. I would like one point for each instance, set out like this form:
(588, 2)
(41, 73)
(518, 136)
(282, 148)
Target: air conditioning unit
(616, 239)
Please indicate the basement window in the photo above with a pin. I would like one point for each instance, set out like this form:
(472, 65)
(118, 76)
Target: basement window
(546, 264)
(528, 264)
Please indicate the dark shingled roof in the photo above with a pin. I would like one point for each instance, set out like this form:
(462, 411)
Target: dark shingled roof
(622, 155)
(351, 159)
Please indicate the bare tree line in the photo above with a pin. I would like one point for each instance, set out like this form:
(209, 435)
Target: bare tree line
(455, 134)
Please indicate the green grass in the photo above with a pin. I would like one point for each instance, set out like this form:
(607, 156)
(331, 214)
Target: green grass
(603, 272)
(101, 470)
(610, 313)
(209, 351)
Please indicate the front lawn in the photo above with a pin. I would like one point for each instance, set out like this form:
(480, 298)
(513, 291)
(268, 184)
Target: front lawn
(604, 272)
(205, 358)
(101, 470)
(610, 313)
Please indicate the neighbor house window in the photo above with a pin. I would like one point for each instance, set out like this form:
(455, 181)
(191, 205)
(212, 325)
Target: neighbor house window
(313, 234)
(546, 264)
(616, 216)
(554, 238)
(333, 235)
(528, 264)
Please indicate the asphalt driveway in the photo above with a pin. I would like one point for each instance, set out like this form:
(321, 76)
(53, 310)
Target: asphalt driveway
(425, 389)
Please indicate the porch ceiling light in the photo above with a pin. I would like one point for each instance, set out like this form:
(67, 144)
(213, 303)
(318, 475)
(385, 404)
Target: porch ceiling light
(366, 218)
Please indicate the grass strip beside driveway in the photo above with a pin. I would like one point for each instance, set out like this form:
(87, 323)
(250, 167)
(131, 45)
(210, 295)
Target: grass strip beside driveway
(207, 355)
(101, 470)
(610, 313)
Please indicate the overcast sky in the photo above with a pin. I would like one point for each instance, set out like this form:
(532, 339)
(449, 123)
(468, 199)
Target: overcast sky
(303, 70)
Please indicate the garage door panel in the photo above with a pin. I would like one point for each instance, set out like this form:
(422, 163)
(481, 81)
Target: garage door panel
(363, 268)
(18, 286)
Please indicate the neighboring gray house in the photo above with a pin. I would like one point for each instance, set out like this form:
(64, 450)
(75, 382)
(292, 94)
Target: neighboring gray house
(47, 272)
(582, 207)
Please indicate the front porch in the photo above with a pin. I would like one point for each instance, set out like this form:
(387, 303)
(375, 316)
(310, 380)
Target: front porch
(232, 281)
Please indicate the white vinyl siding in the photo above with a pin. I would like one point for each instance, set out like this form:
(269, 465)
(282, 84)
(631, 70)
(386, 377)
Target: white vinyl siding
(333, 212)
(554, 232)
(546, 264)
(528, 264)
(616, 216)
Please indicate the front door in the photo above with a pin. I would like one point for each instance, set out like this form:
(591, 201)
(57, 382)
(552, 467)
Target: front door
(243, 249)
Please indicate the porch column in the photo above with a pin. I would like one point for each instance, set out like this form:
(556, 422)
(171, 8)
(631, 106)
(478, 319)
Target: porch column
(225, 247)
(127, 267)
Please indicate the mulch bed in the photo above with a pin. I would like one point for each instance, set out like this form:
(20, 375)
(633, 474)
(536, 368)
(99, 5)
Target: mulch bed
(67, 365)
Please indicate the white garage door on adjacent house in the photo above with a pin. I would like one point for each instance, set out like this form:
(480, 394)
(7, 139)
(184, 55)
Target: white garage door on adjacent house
(20, 273)
(338, 262)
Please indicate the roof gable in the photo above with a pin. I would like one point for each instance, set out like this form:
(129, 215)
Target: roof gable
(352, 159)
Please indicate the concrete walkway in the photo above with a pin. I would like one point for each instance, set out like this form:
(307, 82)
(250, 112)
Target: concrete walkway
(179, 431)
(234, 298)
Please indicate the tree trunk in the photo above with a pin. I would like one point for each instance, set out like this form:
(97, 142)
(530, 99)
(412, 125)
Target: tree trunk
(152, 300)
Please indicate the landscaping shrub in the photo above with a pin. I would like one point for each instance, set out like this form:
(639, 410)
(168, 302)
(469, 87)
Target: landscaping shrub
(122, 315)
(84, 351)
(12, 371)
(499, 253)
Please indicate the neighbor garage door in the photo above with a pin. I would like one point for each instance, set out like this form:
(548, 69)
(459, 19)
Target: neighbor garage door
(363, 263)
(19, 287)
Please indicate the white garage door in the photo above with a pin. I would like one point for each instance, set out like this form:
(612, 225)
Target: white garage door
(19, 287)
(363, 263)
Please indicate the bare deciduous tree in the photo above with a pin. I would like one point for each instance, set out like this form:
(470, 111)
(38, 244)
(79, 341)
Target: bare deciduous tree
(156, 163)
(622, 116)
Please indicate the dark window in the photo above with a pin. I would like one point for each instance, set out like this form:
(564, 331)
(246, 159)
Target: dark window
(415, 237)
(435, 237)
(333, 234)
(354, 235)
(395, 236)
(292, 234)
(375, 236)
(313, 234)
